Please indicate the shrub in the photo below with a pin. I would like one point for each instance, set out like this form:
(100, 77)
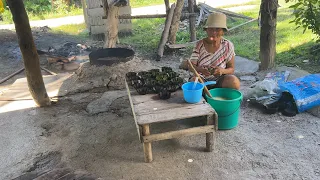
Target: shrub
(307, 15)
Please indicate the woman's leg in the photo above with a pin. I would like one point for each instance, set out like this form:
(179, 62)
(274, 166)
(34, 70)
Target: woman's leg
(229, 81)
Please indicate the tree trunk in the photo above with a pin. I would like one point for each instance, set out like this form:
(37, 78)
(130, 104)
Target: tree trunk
(192, 21)
(268, 11)
(29, 53)
(175, 22)
(112, 23)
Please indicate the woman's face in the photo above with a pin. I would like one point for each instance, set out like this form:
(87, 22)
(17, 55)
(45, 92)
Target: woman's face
(214, 34)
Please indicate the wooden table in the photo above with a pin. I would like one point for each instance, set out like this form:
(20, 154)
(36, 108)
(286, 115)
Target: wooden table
(149, 109)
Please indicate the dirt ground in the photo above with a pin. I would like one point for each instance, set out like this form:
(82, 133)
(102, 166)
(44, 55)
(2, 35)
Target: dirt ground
(106, 143)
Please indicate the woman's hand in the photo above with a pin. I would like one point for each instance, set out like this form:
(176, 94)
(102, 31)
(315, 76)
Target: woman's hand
(204, 71)
(218, 71)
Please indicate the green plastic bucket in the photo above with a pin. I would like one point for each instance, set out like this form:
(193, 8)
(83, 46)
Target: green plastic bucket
(226, 103)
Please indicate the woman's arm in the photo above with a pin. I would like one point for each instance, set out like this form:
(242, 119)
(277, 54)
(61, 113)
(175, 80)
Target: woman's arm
(228, 70)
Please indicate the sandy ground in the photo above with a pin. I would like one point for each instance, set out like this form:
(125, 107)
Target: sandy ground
(106, 144)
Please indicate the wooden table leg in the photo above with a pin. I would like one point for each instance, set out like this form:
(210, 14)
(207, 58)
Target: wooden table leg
(209, 136)
(147, 145)
(215, 119)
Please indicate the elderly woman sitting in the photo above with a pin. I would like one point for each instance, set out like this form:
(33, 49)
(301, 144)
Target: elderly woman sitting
(213, 56)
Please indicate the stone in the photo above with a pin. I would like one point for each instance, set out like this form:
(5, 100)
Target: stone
(245, 66)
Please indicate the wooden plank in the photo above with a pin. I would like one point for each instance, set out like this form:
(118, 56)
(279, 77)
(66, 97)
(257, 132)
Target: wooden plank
(147, 149)
(179, 133)
(153, 106)
(136, 98)
(128, 16)
(133, 111)
(174, 114)
(165, 33)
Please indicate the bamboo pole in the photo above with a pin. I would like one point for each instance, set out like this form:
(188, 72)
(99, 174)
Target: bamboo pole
(200, 79)
(11, 75)
(165, 33)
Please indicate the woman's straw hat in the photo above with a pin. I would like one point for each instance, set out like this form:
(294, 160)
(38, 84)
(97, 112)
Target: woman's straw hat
(216, 20)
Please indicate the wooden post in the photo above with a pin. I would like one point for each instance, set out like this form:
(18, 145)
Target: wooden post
(175, 22)
(209, 136)
(147, 145)
(165, 33)
(167, 4)
(268, 11)
(29, 53)
(85, 11)
(192, 21)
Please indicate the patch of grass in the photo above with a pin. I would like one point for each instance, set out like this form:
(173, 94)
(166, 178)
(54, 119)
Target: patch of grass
(7, 17)
(146, 34)
(142, 3)
(79, 30)
(253, 2)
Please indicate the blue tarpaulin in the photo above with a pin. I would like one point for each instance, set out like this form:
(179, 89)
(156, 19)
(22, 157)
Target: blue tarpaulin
(305, 91)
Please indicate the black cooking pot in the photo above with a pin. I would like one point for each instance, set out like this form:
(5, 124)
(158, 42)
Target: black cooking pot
(109, 56)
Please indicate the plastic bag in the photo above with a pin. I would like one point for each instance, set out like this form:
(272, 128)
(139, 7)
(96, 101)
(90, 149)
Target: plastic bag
(269, 86)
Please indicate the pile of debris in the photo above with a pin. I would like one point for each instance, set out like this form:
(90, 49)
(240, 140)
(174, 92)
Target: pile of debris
(68, 57)
(203, 10)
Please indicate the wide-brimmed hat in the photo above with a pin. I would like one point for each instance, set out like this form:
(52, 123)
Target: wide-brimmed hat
(216, 20)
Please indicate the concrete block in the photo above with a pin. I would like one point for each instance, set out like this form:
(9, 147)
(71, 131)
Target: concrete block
(96, 12)
(95, 21)
(125, 10)
(125, 27)
(245, 66)
(94, 4)
(97, 29)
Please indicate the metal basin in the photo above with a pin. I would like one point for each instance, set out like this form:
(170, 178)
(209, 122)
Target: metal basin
(110, 56)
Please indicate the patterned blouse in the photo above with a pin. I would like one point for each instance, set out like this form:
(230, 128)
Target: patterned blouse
(201, 57)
